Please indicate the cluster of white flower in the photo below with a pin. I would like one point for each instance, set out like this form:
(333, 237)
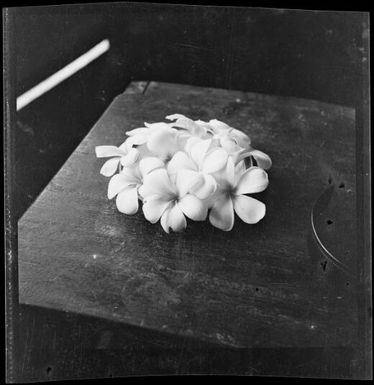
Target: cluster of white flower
(185, 169)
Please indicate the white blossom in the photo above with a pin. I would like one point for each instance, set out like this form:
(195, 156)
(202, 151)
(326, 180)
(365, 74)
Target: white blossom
(187, 168)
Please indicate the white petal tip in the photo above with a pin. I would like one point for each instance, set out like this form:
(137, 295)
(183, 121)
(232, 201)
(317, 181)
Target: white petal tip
(106, 174)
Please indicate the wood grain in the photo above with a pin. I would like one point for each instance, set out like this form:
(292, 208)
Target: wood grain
(256, 286)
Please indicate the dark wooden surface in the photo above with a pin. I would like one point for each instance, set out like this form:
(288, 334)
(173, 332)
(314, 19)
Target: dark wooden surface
(256, 286)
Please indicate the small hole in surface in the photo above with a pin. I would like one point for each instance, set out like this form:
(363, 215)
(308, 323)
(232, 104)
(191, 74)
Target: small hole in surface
(347, 284)
(49, 370)
(323, 265)
(329, 180)
(257, 289)
(329, 222)
(342, 185)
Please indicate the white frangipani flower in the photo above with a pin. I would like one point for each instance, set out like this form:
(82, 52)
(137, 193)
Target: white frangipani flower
(197, 165)
(167, 198)
(234, 183)
(184, 169)
(125, 185)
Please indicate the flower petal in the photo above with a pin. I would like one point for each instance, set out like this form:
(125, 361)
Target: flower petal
(241, 138)
(107, 151)
(215, 160)
(225, 178)
(190, 143)
(253, 180)
(222, 213)
(193, 127)
(263, 160)
(203, 124)
(175, 117)
(127, 201)
(219, 127)
(144, 151)
(180, 161)
(182, 139)
(193, 207)
(164, 220)
(126, 146)
(131, 173)
(206, 189)
(130, 158)
(144, 193)
(240, 155)
(158, 126)
(230, 171)
(137, 140)
(199, 151)
(146, 165)
(173, 218)
(185, 180)
(229, 144)
(240, 167)
(109, 167)
(154, 208)
(199, 130)
(163, 142)
(189, 125)
(119, 182)
(157, 182)
(138, 131)
(249, 210)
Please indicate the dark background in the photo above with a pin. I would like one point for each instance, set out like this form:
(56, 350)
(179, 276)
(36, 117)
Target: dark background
(307, 54)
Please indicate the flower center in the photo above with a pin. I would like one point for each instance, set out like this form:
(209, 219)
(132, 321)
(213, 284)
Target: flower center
(173, 197)
(226, 187)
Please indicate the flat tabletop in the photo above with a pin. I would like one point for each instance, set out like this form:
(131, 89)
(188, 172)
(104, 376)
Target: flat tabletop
(255, 286)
